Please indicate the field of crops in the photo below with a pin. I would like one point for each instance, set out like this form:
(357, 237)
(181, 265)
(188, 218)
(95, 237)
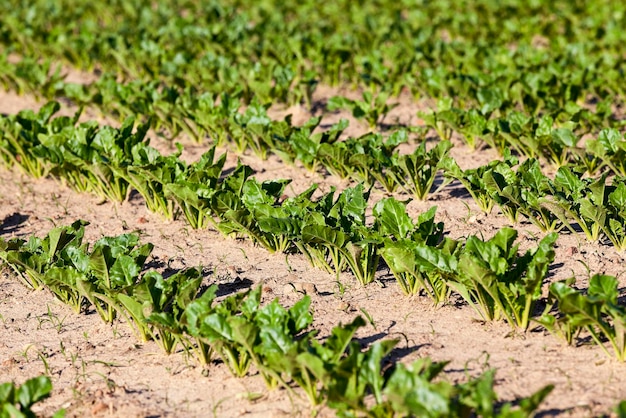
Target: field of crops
(358, 209)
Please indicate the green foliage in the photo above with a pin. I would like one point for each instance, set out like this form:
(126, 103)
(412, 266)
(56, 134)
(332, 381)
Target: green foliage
(368, 158)
(415, 252)
(474, 179)
(20, 136)
(113, 265)
(412, 391)
(419, 267)
(497, 281)
(615, 206)
(217, 325)
(570, 200)
(88, 157)
(216, 68)
(255, 202)
(74, 274)
(156, 307)
(275, 340)
(31, 259)
(16, 401)
(416, 172)
(596, 312)
(150, 173)
(192, 188)
(335, 237)
(580, 200)
(372, 108)
(610, 148)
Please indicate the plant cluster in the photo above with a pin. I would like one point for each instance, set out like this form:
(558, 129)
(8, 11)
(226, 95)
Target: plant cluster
(106, 160)
(554, 136)
(330, 231)
(569, 201)
(109, 161)
(277, 341)
(597, 311)
(489, 275)
(485, 56)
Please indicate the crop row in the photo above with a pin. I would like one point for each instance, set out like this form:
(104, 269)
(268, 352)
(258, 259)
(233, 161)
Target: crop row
(569, 201)
(279, 52)
(110, 161)
(110, 277)
(44, 145)
(553, 135)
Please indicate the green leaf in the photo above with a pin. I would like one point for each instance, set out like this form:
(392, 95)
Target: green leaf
(603, 287)
(33, 390)
(392, 219)
(124, 271)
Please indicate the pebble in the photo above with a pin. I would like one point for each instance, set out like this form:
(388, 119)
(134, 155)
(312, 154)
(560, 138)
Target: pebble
(343, 306)
(99, 407)
(306, 288)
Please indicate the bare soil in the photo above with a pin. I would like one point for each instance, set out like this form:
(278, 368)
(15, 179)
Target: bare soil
(103, 371)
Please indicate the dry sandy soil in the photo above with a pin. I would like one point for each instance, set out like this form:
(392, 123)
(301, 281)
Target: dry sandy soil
(101, 370)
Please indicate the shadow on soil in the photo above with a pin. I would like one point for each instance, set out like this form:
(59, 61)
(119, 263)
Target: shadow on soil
(12, 223)
(225, 289)
(552, 413)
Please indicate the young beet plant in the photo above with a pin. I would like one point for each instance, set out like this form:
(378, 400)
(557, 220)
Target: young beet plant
(366, 159)
(580, 202)
(32, 259)
(523, 192)
(95, 158)
(113, 265)
(597, 312)
(610, 149)
(420, 268)
(370, 158)
(416, 172)
(149, 174)
(192, 188)
(335, 236)
(474, 179)
(415, 253)
(20, 138)
(88, 157)
(215, 324)
(74, 274)
(414, 390)
(372, 109)
(497, 281)
(615, 225)
(269, 332)
(155, 306)
(304, 360)
(243, 333)
(538, 137)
